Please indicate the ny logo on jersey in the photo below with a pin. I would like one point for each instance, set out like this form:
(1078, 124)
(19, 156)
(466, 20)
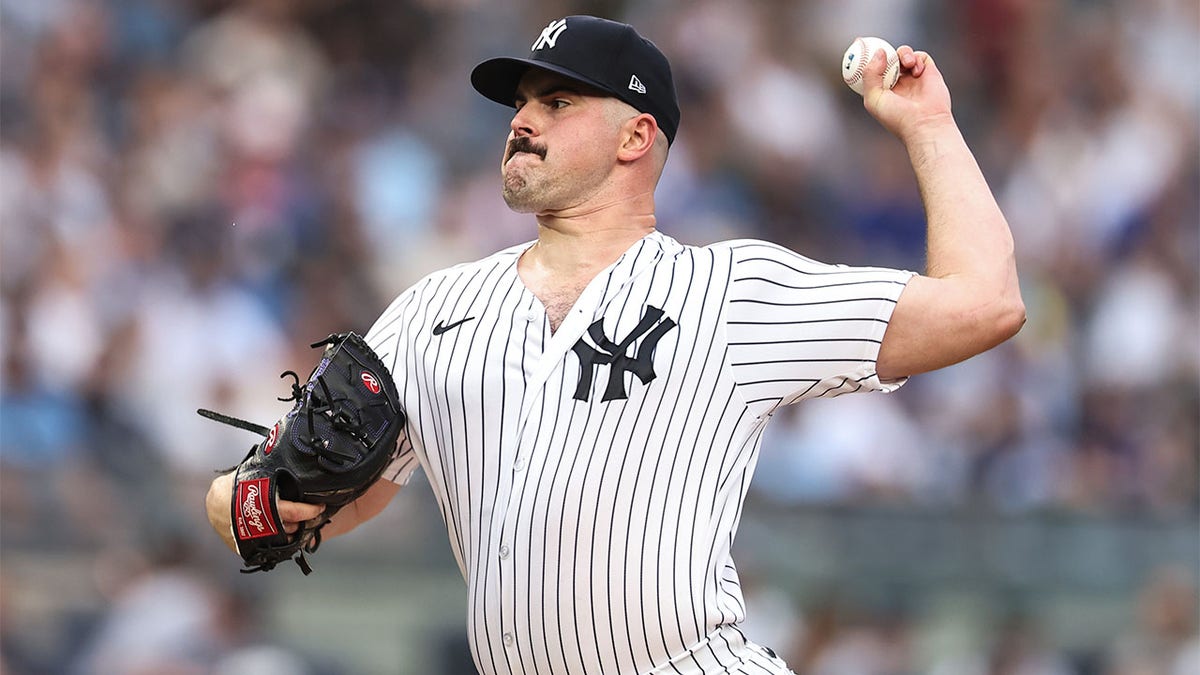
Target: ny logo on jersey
(612, 354)
(550, 35)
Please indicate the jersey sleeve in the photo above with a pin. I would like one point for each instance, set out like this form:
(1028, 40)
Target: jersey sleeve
(388, 338)
(800, 329)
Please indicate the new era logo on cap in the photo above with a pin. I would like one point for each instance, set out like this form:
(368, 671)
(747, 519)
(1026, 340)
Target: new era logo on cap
(597, 52)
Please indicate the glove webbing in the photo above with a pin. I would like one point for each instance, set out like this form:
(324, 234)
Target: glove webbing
(330, 458)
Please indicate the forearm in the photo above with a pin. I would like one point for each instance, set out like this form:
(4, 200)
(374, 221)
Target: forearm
(968, 236)
(359, 511)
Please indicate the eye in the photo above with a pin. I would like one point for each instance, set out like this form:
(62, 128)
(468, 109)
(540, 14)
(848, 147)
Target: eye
(560, 103)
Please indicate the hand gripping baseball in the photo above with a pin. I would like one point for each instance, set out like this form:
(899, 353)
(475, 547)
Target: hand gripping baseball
(327, 451)
(919, 99)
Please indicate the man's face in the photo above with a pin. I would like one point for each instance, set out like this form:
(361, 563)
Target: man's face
(562, 144)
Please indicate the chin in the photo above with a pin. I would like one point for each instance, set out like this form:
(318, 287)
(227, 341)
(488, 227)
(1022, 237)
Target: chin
(519, 196)
(518, 202)
(517, 207)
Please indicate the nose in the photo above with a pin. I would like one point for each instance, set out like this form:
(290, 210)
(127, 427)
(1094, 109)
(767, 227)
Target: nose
(522, 122)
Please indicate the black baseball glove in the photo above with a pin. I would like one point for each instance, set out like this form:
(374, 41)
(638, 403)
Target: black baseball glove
(333, 445)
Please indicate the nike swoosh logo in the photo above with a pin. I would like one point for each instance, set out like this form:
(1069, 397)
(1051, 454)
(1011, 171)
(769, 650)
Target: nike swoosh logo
(440, 328)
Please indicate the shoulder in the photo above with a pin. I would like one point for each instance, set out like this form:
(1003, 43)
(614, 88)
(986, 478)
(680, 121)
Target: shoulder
(734, 254)
(757, 255)
(403, 314)
(751, 250)
(668, 249)
(466, 270)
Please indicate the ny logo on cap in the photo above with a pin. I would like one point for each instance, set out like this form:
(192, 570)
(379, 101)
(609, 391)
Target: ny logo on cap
(550, 35)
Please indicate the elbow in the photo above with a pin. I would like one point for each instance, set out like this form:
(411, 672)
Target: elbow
(996, 320)
(1010, 316)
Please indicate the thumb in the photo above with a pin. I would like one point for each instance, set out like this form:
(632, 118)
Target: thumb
(874, 74)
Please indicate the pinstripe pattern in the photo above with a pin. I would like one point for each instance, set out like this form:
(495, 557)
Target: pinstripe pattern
(595, 535)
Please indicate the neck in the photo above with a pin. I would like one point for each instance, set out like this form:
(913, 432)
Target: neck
(582, 239)
(572, 248)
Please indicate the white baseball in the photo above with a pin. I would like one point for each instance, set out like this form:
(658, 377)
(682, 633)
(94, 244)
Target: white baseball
(856, 58)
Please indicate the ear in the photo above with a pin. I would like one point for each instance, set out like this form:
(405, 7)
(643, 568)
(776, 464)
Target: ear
(637, 137)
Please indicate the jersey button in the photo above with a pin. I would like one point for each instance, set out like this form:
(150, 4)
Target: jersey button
(508, 640)
(519, 464)
(504, 551)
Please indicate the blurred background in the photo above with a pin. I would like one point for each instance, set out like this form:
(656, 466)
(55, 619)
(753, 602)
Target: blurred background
(191, 191)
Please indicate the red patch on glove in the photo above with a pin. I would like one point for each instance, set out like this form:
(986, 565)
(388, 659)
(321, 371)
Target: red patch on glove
(255, 512)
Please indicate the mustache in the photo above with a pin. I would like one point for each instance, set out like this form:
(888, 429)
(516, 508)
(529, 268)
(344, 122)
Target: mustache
(524, 144)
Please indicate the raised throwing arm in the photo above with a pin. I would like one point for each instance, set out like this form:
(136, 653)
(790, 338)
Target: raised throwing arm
(968, 300)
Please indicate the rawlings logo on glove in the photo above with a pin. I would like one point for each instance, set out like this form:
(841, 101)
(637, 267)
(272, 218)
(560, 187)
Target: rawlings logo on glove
(333, 445)
(252, 510)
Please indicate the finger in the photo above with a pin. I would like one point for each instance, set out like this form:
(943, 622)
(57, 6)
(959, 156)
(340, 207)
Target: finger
(292, 513)
(908, 58)
(921, 61)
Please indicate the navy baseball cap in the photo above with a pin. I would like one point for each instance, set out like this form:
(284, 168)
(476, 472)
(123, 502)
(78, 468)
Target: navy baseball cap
(604, 54)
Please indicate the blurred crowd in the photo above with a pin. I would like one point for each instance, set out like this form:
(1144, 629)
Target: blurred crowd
(191, 191)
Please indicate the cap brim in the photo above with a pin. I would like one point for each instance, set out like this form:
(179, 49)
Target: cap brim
(498, 78)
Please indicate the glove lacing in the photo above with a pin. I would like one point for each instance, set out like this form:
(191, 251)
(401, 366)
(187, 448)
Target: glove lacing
(332, 458)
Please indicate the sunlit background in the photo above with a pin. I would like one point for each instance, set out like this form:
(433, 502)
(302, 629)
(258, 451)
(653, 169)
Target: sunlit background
(194, 190)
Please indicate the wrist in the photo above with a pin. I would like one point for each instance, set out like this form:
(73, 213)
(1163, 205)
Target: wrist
(931, 138)
(931, 125)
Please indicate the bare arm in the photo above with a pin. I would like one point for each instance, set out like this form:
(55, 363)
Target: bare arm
(968, 301)
(293, 514)
(359, 511)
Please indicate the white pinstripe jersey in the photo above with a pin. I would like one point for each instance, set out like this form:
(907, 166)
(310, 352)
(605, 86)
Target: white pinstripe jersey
(592, 479)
